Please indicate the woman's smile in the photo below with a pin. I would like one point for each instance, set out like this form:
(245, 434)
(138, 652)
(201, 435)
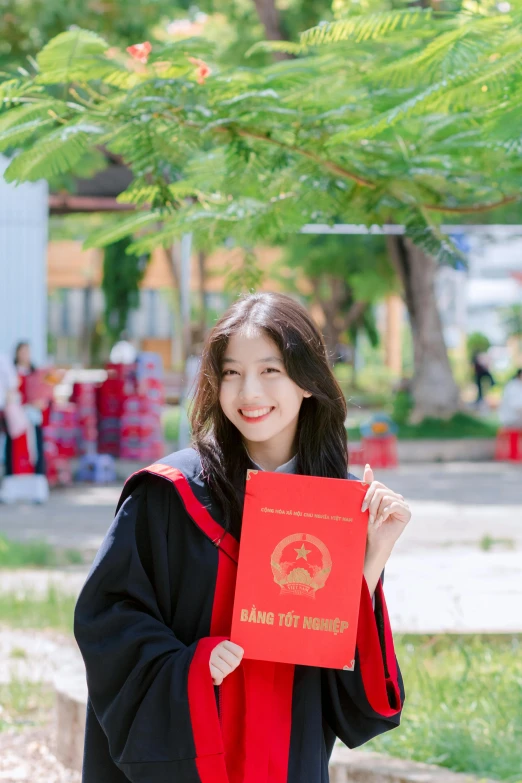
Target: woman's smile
(255, 414)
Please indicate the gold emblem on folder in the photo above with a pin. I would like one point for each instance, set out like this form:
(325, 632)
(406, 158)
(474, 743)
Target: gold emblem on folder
(292, 569)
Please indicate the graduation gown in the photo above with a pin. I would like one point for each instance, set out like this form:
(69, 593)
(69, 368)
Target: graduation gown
(157, 600)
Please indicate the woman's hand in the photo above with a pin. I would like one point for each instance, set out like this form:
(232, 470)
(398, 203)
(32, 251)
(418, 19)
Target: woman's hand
(224, 658)
(389, 513)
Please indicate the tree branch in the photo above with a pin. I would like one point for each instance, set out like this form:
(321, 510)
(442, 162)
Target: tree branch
(473, 209)
(327, 164)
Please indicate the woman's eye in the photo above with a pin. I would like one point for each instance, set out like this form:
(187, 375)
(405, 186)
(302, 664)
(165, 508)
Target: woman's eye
(271, 369)
(227, 371)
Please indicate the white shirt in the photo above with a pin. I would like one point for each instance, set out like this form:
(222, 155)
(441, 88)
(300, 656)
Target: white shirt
(8, 379)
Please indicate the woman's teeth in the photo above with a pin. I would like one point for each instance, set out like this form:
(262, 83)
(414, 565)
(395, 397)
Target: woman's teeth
(255, 414)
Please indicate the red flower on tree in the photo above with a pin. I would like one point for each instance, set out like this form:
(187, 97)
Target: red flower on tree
(203, 70)
(140, 51)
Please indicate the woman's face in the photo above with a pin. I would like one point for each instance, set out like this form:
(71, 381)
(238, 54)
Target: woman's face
(23, 355)
(256, 393)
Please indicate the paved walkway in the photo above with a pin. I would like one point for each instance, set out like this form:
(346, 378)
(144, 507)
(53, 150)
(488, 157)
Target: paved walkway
(457, 567)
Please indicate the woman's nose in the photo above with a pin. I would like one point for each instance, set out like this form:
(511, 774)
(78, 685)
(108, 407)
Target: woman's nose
(250, 387)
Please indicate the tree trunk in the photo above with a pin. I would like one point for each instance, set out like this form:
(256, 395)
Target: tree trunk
(434, 390)
(336, 322)
(202, 292)
(269, 18)
(177, 352)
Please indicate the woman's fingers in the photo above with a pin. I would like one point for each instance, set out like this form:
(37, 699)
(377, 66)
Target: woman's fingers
(372, 489)
(227, 657)
(224, 658)
(399, 508)
(233, 648)
(368, 475)
(217, 676)
(381, 495)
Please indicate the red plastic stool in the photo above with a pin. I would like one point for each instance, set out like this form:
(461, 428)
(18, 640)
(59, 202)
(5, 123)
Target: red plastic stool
(508, 445)
(381, 452)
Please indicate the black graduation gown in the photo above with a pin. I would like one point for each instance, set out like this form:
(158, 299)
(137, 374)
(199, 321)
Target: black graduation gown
(157, 600)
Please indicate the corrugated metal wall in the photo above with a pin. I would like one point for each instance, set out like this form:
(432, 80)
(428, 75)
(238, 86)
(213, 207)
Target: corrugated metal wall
(23, 276)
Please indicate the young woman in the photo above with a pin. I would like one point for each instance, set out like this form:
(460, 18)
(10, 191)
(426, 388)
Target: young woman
(170, 699)
(25, 453)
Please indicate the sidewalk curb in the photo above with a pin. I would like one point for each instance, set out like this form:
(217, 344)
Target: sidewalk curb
(353, 766)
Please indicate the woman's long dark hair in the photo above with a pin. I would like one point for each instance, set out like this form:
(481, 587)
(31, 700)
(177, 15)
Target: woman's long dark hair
(321, 435)
(20, 345)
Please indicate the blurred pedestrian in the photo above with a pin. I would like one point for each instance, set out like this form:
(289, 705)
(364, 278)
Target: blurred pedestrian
(24, 453)
(482, 373)
(8, 386)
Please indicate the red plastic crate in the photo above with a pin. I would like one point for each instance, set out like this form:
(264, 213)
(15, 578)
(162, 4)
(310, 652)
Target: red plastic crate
(508, 445)
(381, 452)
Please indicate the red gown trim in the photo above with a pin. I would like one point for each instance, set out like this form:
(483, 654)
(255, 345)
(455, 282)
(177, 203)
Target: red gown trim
(231, 746)
(381, 690)
(206, 730)
(212, 529)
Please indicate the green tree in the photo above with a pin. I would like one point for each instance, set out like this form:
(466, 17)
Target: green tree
(27, 25)
(122, 274)
(398, 117)
(348, 275)
(477, 343)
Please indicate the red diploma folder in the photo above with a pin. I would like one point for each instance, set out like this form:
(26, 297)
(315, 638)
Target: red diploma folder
(300, 569)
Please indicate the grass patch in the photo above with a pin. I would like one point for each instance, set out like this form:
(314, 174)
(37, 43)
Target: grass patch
(24, 703)
(461, 425)
(53, 610)
(18, 554)
(463, 693)
(463, 705)
(487, 543)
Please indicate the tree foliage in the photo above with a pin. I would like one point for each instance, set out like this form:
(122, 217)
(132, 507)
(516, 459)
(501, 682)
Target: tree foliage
(348, 274)
(27, 25)
(122, 274)
(400, 116)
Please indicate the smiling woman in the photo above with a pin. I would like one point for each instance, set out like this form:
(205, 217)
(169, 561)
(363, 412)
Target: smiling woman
(258, 391)
(266, 352)
(170, 696)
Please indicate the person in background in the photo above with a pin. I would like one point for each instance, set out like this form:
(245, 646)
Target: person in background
(510, 410)
(25, 453)
(481, 372)
(8, 386)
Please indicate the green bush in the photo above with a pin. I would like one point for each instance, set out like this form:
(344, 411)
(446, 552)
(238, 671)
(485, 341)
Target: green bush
(402, 406)
(461, 425)
(477, 343)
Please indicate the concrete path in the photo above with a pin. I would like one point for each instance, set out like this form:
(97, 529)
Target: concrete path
(458, 567)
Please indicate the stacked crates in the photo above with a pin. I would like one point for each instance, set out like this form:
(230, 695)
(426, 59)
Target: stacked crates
(141, 429)
(119, 383)
(63, 429)
(84, 397)
(130, 402)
